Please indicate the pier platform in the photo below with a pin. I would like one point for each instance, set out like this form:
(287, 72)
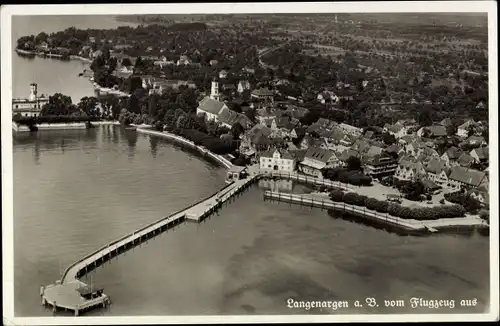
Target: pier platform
(73, 296)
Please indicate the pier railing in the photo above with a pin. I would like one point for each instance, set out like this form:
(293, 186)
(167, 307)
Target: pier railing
(308, 179)
(137, 231)
(346, 207)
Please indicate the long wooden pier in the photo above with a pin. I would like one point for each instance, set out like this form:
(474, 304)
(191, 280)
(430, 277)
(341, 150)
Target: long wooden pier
(63, 294)
(387, 219)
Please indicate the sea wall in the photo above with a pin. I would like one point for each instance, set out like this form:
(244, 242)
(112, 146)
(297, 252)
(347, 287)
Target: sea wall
(189, 143)
(61, 126)
(19, 128)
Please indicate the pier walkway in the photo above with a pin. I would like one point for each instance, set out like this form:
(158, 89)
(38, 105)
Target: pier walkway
(315, 200)
(63, 294)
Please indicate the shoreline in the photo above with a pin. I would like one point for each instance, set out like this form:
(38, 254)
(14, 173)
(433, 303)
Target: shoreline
(52, 55)
(61, 126)
(223, 161)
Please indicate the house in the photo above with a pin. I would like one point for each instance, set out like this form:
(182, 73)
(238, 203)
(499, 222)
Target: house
(425, 153)
(380, 165)
(481, 105)
(397, 130)
(159, 86)
(432, 131)
(451, 155)
(243, 85)
(481, 194)
(480, 155)
(309, 141)
(348, 153)
(298, 132)
(263, 94)
(438, 171)
(465, 177)
(327, 97)
(430, 186)
(463, 129)
(316, 159)
(350, 130)
(211, 108)
(277, 160)
(409, 169)
(476, 141)
(465, 160)
(446, 122)
(213, 62)
(223, 74)
(228, 87)
(229, 118)
(184, 61)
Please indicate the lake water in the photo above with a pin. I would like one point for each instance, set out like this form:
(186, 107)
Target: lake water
(77, 190)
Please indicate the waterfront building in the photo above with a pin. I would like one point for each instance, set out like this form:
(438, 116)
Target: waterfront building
(31, 106)
(380, 165)
(316, 159)
(277, 160)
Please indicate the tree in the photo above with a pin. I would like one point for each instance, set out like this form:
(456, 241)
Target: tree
(58, 104)
(126, 62)
(88, 105)
(388, 138)
(424, 117)
(237, 129)
(353, 163)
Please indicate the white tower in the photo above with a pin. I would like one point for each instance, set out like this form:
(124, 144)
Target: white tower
(33, 92)
(214, 94)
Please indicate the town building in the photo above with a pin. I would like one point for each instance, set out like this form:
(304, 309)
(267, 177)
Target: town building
(316, 159)
(31, 106)
(263, 94)
(277, 160)
(409, 170)
(451, 155)
(432, 131)
(463, 129)
(466, 177)
(243, 85)
(184, 61)
(159, 86)
(397, 130)
(480, 155)
(380, 165)
(438, 171)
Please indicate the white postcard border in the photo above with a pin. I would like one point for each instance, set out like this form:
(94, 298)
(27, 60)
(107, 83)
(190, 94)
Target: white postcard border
(207, 8)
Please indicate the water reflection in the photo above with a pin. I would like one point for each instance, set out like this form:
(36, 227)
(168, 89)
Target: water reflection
(131, 136)
(153, 144)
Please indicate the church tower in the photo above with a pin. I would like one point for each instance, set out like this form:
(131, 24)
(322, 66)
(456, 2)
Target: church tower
(33, 92)
(214, 94)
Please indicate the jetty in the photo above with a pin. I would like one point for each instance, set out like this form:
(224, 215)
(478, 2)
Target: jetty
(408, 225)
(66, 293)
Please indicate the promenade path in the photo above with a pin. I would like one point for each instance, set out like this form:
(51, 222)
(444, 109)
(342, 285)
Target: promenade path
(322, 201)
